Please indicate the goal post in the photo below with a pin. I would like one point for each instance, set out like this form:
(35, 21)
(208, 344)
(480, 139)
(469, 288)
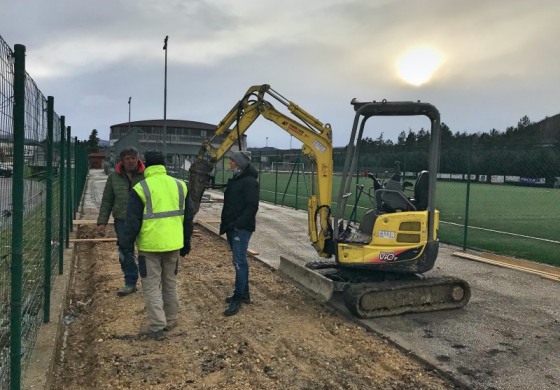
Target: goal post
(282, 166)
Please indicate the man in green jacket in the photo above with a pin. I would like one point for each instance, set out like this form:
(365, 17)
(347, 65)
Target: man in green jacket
(128, 172)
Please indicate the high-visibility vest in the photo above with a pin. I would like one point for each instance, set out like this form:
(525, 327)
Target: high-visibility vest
(164, 207)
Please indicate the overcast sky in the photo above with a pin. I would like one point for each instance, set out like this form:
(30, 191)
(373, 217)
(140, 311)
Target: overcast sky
(484, 64)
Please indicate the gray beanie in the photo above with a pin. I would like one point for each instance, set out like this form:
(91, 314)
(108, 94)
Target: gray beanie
(241, 158)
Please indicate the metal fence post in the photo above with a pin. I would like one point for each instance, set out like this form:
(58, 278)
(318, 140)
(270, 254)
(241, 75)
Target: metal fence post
(48, 212)
(61, 174)
(260, 167)
(17, 216)
(276, 178)
(69, 196)
(468, 195)
(76, 187)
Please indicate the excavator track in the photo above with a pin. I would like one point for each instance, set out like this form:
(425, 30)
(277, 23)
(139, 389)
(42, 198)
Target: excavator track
(370, 300)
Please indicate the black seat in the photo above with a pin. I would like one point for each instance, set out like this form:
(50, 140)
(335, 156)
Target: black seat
(392, 198)
(421, 191)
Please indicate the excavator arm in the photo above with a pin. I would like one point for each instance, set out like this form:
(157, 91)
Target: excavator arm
(315, 136)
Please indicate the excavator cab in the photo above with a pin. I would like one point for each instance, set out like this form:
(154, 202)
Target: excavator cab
(379, 264)
(405, 238)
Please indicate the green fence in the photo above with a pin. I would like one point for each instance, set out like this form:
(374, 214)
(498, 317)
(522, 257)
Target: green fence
(485, 202)
(42, 175)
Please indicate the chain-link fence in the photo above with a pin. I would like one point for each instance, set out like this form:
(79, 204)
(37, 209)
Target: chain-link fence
(499, 200)
(41, 181)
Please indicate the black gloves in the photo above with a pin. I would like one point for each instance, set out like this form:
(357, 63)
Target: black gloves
(185, 249)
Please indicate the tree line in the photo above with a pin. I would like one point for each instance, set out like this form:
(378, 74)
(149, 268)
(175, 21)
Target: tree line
(526, 150)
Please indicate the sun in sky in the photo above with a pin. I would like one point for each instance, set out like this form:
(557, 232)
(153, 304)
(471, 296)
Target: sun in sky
(418, 65)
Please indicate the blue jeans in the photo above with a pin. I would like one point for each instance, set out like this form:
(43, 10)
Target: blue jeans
(238, 241)
(128, 263)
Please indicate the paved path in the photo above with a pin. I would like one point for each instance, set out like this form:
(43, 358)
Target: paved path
(507, 337)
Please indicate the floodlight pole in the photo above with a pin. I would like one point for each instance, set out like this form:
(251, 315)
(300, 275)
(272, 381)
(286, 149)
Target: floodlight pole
(129, 99)
(165, 101)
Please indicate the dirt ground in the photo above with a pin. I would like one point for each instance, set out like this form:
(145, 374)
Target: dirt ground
(282, 340)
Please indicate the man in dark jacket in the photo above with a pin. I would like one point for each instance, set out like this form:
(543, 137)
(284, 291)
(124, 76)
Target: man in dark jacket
(128, 172)
(241, 202)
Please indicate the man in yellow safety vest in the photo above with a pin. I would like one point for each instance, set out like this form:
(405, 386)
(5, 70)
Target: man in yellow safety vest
(159, 218)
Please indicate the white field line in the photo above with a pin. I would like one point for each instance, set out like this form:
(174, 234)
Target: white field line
(499, 231)
(473, 227)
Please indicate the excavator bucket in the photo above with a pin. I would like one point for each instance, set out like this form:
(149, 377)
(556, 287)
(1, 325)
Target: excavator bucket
(308, 280)
(199, 180)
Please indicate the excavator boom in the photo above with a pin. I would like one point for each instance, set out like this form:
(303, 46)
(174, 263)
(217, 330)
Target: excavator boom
(315, 136)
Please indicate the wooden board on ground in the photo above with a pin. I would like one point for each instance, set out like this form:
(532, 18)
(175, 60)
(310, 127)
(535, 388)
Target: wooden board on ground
(520, 265)
(208, 220)
(99, 239)
(88, 222)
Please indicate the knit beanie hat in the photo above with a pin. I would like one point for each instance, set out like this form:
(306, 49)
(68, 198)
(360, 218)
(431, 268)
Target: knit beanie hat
(241, 158)
(153, 157)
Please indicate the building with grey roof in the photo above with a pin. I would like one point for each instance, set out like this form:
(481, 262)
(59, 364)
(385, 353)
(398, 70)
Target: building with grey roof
(180, 141)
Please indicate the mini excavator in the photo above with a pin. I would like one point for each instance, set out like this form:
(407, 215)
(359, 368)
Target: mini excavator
(379, 264)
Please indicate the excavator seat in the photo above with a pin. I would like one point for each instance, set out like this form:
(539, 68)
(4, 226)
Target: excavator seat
(420, 199)
(391, 198)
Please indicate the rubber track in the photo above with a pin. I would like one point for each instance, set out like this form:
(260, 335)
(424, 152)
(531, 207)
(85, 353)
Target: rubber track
(370, 300)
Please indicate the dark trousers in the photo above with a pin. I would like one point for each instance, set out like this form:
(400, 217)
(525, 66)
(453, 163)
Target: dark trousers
(128, 263)
(238, 241)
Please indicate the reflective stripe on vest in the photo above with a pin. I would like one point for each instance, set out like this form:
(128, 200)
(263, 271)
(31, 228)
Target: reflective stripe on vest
(164, 214)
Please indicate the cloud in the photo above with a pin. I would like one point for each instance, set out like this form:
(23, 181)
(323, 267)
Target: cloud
(500, 61)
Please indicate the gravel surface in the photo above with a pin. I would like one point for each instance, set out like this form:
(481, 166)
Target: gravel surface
(507, 337)
(281, 340)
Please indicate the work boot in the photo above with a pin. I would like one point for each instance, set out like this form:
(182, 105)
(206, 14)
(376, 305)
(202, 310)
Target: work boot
(126, 290)
(158, 335)
(245, 299)
(170, 327)
(233, 307)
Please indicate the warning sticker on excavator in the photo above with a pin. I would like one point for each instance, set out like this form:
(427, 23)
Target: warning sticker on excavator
(386, 234)
(319, 146)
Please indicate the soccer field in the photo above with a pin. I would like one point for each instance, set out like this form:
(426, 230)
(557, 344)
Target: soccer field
(516, 221)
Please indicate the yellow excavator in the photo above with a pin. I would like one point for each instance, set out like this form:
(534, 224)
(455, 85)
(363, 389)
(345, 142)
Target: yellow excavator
(380, 263)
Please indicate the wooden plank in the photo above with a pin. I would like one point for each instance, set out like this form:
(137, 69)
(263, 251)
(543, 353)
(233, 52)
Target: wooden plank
(100, 239)
(88, 222)
(208, 220)
(522, 263)
(208, 227)
(528, 269)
